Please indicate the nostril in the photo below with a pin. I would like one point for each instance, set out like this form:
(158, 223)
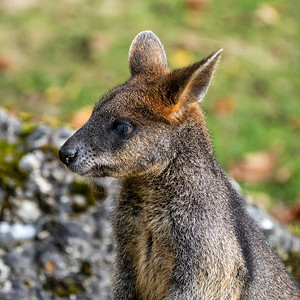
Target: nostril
(68, 156)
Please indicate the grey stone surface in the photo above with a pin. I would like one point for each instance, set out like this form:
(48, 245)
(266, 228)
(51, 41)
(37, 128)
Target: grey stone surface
(40, 137)
(13, 233)
(10, 127)
(60, 135)
(278, 236)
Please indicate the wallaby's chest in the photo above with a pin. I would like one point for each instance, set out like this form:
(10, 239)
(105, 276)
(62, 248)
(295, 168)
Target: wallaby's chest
(147, 242)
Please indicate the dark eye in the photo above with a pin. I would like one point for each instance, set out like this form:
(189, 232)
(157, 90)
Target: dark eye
(122, 128)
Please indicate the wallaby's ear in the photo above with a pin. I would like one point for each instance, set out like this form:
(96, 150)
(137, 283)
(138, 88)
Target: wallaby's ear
(190, 84)
(146, 54)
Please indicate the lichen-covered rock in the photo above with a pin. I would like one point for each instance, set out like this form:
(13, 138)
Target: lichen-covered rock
(40, 137)
(11, 234)
(43, 136)
(60, 135)
(278, 236)
(10, 127)
(5, 283)
(32, 161)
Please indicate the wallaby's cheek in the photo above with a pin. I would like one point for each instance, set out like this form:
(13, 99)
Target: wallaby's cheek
(137, 155)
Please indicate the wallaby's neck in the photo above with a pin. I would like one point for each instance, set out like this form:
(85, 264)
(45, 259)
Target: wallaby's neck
(193, 170)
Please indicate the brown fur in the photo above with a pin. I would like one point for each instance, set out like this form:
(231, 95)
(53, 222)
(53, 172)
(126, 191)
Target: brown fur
(180, 228)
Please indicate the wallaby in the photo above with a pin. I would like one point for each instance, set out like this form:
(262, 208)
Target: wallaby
(181, 229)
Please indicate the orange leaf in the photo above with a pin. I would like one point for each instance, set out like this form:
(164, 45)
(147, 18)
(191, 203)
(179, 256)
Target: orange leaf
(49, 266)
(287, 215)
(6, 63)
(81, 117)
(223, 106)
(199, 5)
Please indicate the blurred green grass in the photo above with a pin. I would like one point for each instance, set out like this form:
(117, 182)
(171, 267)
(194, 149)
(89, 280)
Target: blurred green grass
(58, 57)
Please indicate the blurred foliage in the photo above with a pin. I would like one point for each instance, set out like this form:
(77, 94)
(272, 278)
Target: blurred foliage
(60, 57)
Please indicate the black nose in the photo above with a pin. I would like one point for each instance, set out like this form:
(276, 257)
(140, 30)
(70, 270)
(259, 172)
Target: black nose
(68, 156)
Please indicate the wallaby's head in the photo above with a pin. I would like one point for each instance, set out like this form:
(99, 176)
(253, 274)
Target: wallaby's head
(135, 127)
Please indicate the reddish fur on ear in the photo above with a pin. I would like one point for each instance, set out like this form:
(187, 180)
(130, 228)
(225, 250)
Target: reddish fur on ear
(181, 87)
(188, 85)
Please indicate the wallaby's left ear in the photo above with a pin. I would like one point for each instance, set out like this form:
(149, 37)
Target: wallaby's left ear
(146, 54)
(190, 84)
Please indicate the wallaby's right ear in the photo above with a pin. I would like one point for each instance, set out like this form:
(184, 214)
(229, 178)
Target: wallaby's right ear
(146, 54)
(189, 85)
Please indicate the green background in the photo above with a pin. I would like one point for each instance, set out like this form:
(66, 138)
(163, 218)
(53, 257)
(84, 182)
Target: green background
(60, 57)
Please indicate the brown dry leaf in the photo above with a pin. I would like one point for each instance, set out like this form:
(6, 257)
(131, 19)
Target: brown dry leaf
(283, 174)
(199, 5)
(267, 14)
(223, 106)
(54, 94)
(254, 167)
(100, 43)
(180, 58)
(287, 215)
(49, 266)
(81, 117)
(6, 63)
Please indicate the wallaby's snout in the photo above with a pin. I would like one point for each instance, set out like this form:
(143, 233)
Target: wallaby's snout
(68, 155)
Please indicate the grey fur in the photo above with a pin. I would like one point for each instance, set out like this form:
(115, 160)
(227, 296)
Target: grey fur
(180, 228)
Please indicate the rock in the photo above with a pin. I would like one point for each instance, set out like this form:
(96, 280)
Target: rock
(27, 210)
(60, 135)
(263, 220)
(47, 180)
(27, 284)
(5, 234)
(10, 127)
(31, 162)
(79, 203)
(277, 235)
(21, 232)
(5, 283)
(54, 262)
(39, 138)
(77, 229)
(12, 233)
(2, 195)
(65, 205)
